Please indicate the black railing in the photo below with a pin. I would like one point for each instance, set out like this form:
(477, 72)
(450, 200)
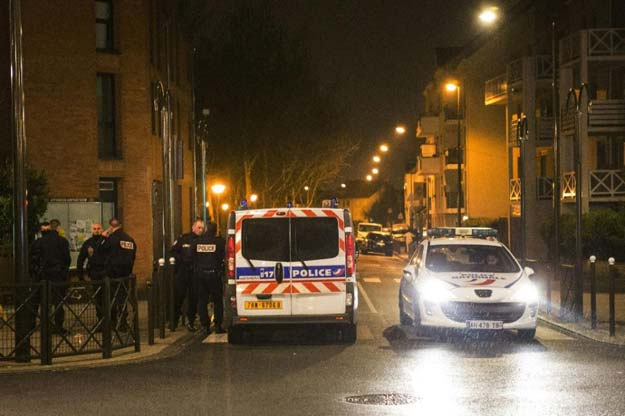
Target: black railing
(45, 320)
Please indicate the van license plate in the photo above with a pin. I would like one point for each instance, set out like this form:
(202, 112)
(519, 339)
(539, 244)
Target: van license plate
(263, 304)
(485, 324)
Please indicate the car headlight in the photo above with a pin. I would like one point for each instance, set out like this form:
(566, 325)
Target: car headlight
(527, 293)
(435, 291)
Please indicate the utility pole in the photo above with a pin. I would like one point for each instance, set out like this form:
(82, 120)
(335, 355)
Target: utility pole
(556, 158)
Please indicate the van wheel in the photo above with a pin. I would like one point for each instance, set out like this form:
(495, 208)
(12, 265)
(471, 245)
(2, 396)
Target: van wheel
(235, 335)
(348, 333)
(526, 334)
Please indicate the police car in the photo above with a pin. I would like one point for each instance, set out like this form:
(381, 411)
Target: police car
(464, 278)
(291, 265)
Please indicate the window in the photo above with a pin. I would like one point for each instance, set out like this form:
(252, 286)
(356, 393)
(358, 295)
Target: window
(104, 25)
(256, 234)
(315, 238)
(179, 160)
(107, 143)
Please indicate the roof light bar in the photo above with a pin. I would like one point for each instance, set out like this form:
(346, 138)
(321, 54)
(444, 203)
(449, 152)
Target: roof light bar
(476, 232)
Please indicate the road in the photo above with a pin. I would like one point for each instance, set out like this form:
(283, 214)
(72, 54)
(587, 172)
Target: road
(306, 372)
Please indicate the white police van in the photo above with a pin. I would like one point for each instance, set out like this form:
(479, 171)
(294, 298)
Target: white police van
(464, 278)
(291, 265)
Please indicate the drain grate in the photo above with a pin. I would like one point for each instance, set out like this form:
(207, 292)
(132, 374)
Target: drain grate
(384, 399)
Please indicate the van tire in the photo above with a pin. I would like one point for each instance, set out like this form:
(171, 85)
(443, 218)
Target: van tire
(349, 333)
(235, 335)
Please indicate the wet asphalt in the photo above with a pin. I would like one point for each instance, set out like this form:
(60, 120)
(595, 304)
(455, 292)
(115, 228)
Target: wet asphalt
(307, 371)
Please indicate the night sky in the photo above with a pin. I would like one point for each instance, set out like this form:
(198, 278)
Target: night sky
(377, 56)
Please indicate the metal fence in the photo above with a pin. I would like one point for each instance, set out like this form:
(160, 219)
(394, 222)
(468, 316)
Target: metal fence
(45, 320)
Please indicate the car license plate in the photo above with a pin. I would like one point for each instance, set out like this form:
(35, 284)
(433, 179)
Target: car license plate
(263, 304)
(485, 324)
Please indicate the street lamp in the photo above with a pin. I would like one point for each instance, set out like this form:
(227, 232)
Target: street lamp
(401, 130)
(225, 206)
(253, 198)
(306, 188)
(343, 186)
(375, 171)
(383, 148)
(203, 129)
(489, 15)
(522, 137)
(455, 87)
(376, 159)
(218, 189)
(369, 178)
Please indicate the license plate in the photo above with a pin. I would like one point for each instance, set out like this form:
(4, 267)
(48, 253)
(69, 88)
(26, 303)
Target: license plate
(485, 324)
(263, 304)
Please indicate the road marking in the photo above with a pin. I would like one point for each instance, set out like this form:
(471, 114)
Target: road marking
(397, 280)
(372, 280)
(216, 339)
(366, 298)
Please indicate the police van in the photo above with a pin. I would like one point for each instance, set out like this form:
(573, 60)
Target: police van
(291, 265)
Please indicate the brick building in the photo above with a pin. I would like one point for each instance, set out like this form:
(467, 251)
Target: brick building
(93, 71)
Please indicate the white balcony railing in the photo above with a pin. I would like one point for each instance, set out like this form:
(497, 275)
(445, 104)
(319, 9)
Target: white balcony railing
(568, 186)
(544, 188)
(607, 184)
(515, 189)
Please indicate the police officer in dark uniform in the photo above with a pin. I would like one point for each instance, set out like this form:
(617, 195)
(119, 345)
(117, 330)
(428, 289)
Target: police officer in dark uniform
(119, 251)
(96, 267)
(182, 251)
(208, 270)
(50, 260)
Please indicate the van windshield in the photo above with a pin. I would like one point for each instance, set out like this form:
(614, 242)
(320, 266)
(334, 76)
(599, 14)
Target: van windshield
(268, 239)
(369, 227)
(470, 258)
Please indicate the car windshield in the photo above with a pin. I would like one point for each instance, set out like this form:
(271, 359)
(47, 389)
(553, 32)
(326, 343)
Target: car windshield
(369, 227)
(470, 258)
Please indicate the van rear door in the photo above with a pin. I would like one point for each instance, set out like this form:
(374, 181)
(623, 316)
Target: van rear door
(318, 267)
(263, 285)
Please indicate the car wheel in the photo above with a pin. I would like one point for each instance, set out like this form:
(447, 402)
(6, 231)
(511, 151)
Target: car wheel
(526, 334)
(235, 335)
(404, 319)
(349, 333)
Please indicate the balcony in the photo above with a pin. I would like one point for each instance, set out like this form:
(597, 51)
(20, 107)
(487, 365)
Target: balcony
(429, 166)
(544, 131)
(429, 126)
(452, 157)
(568, 187)
(600, 44)
(606, 116)
(495, 90)
(607, 185)
(515, 189)
(544, 188)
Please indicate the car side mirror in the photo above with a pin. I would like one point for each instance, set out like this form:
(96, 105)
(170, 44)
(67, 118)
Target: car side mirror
(529, 271)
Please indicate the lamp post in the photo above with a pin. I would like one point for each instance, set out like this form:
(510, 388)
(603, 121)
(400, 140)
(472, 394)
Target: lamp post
(577, 157)
(218, 189)
(455, 87)
(162, 103)
(307, 189)
(203, 128)
(522, 136)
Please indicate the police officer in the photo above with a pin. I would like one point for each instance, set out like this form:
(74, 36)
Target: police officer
(119, 251)
(208, 269)
(182, 251)
(50, 260)
(89, 253)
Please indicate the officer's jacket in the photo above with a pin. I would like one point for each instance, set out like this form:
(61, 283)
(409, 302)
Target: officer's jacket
(89, 252)
(183, 250)
(49, 257)
(119, 251)
(209, 254)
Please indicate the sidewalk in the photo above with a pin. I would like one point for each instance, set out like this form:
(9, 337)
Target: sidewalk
(581, 329)
(170, 345)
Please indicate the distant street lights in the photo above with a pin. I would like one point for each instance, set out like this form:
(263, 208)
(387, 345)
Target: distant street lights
(253, 198)
(218, 189)
(455, 87)
(376, 159)
(383, 148)
(400, 130)
(369, 178)
(375, 171)
(489, 15)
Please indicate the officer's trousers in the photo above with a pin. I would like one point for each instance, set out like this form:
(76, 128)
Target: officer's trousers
(209, 285)
(185, 288)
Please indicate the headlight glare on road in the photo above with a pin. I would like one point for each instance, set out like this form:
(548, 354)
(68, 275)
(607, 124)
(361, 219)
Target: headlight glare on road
(526, 293)
(435, 291)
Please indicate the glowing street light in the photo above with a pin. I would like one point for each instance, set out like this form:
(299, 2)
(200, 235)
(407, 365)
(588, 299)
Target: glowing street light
(489, 15)
(343, 186)
(376, 159)
(218, 188)
(375, 171)
(306, 188)
(369, 178)
(400, 130)
(225, 206)
(451, 86)
(383, 148)
(253, 198)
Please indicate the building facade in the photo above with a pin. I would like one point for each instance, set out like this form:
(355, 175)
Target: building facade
(108, 100)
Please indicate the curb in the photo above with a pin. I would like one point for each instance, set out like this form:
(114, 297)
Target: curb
(165, 351)
(575, 334)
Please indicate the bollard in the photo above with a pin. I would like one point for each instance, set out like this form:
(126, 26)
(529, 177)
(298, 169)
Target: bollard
(107, 336)
(172, 293)
(593, 292)
(46, 336)
(135, 305)
(612, 273)
(548, 277)
(161, 291)
(150, 313)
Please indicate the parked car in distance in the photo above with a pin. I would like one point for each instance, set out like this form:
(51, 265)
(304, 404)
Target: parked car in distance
(377, 242)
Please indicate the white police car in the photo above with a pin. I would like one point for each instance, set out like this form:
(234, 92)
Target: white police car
(464, 278)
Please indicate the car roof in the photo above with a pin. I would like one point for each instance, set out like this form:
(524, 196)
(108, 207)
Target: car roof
(463, 241)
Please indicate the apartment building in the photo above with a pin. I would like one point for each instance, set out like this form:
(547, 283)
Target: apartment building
(108, 105)
(505, 78)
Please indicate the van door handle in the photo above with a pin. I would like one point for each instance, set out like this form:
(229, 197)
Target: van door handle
(278, 272)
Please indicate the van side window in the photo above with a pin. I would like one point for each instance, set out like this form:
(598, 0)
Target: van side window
(266, 239)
